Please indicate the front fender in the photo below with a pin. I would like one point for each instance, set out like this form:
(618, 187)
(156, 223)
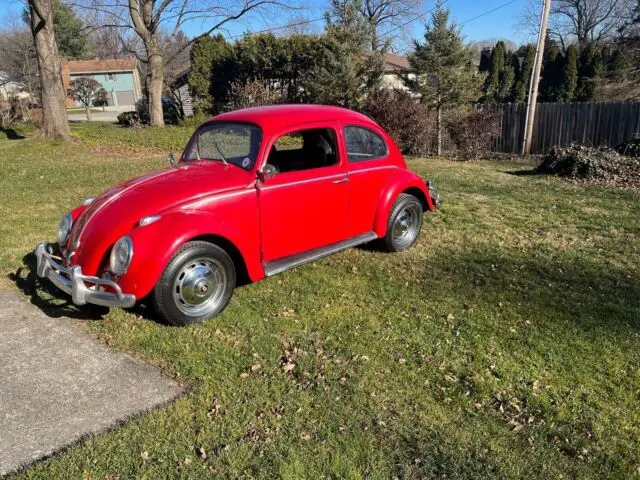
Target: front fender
(401, 181)
(155, 244)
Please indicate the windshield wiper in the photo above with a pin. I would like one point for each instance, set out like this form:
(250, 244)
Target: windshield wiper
(215, 144)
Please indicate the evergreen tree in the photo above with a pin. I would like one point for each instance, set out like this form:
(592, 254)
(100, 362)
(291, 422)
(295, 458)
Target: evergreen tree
(503, 70)
(209, 56)
(496, 70)
(72, 39)
(570, 74)
(589, 73)
(344, 75)
(521, 87)
(485, 60)
(445, 71)
(551, 85)
(70, 31)
(508, 78)
(615, 64)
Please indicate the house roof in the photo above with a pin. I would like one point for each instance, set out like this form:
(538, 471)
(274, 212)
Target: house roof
(394, 63)
(6, 79)
(107, 65)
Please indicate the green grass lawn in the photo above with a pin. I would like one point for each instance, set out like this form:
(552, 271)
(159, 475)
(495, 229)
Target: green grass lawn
(505, 344)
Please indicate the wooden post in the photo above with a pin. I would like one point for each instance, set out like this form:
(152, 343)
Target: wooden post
(535, 79)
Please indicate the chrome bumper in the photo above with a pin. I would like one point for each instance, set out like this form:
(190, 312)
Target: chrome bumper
(72, 281)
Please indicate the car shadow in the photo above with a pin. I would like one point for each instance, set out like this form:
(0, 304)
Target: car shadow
(525, 173)
(55, 304)
(45, 296)
(569, 288)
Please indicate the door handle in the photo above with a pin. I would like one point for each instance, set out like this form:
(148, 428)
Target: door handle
(342, 180)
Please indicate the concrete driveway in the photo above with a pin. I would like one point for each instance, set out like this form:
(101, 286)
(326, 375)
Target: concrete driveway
(57, 384)
(95, 117)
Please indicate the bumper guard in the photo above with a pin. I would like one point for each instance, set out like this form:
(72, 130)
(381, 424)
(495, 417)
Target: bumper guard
(71, 281)
(434, 193)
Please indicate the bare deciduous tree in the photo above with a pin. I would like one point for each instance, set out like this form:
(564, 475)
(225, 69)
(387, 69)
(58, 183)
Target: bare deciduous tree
(581, 21)
(387, 16)
(53, 97)
(155, 20)
(18, 55)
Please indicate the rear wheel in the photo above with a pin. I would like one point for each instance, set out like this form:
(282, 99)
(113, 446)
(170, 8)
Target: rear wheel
(404, 224)
(197, 284)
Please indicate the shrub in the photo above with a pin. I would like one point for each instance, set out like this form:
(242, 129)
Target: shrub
(471, 131)
(16, 119)
(630, 148)
(170, 111)
(194, 121)
(252, 94)
(410, 124)
(600, 165)
(129, 119)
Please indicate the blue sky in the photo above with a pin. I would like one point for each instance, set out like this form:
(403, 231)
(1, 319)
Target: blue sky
(503, 23)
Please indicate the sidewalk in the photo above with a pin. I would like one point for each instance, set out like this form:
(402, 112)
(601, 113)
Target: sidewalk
(57, 384)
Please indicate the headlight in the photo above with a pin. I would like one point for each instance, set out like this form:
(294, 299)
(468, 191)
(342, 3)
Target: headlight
(121, 255)
(64, 229)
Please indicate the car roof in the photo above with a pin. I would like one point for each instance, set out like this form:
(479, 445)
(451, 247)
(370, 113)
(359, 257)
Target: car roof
(275, 117)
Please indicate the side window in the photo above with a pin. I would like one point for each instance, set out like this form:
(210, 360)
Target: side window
(304, 150)
(364, 144)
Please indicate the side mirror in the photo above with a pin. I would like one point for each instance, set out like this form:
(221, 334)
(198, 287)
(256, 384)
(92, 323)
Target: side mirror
(171, 159)
(268, 171)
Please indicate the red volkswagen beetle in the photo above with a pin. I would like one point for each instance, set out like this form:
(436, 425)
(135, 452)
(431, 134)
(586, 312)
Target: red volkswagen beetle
(255, 192)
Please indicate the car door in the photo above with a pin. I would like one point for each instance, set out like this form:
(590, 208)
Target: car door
(306, 204)
(369, 169)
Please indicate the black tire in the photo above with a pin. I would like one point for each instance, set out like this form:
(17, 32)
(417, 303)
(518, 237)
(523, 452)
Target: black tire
(182, 295)
(406, 209)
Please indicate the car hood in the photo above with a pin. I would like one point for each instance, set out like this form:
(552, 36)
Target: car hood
(115, 212)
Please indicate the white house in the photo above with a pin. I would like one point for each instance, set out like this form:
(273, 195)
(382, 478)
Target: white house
(12, 87)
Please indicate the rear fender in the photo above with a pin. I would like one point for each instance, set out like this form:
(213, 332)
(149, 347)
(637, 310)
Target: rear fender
(401, 181)
(156, 243)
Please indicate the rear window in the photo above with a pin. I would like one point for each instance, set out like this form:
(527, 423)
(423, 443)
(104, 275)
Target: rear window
(364, 144)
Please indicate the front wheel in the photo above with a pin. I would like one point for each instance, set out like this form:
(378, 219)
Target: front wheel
(404, 224)
(196, 285)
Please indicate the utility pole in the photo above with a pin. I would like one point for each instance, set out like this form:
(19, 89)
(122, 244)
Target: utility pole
(535, 79)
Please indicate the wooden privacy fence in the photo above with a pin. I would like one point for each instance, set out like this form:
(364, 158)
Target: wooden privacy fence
(560, 124)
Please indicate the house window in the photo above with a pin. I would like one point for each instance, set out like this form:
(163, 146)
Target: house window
(111, 76)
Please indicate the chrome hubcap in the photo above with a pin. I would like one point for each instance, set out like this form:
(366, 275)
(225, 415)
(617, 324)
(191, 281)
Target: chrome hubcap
(406, 226)
(199, 286)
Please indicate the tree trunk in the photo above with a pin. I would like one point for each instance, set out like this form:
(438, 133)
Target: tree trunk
(374, 35)
(154, 88)
(55, 123)
(88, 110)
(439, 128)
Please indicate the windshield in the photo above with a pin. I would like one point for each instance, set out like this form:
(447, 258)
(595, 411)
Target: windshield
(236, 143)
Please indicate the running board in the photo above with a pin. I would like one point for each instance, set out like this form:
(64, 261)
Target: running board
(286, 263)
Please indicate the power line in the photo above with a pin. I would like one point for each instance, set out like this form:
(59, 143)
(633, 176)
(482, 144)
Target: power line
(289, 25)
(384, 34)
(488, 12)
(418, 17)
(306, 22)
